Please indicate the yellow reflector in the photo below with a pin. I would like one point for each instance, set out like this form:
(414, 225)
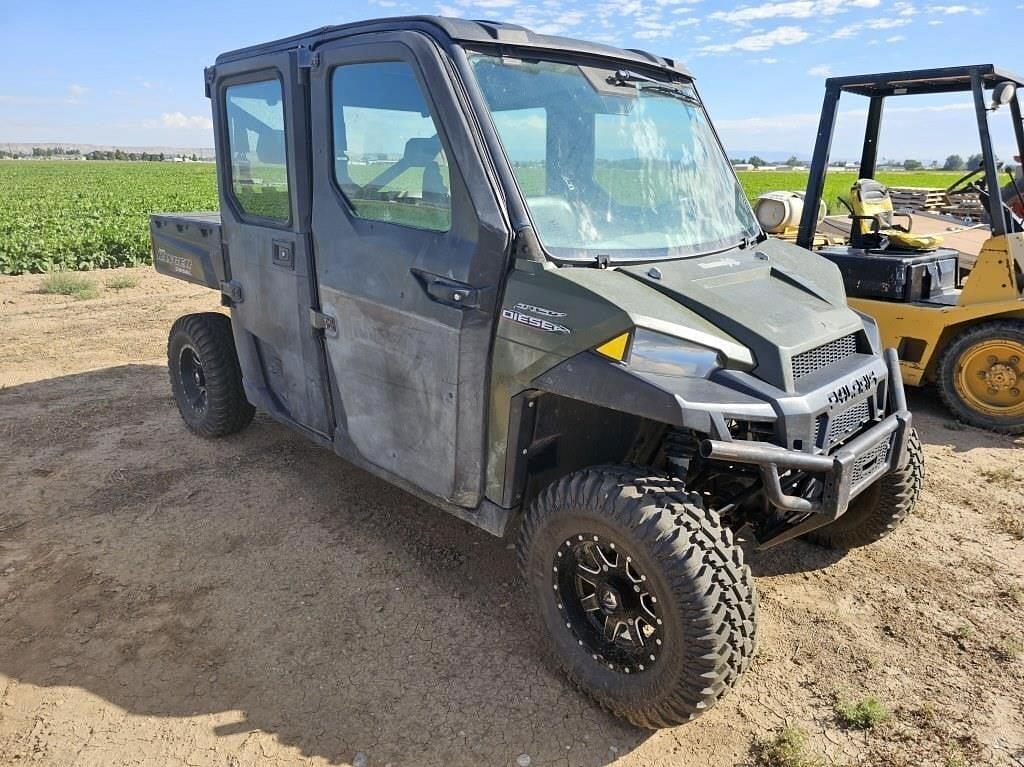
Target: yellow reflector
(614, 349)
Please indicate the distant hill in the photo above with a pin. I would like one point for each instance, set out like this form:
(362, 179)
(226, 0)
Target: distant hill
(25, 147)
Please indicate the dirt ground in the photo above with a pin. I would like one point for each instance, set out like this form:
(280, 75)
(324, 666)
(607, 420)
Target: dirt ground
(166, 600)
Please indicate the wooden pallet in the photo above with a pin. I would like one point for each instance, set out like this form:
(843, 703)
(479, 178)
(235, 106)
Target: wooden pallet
(918, 197)
(972, 210)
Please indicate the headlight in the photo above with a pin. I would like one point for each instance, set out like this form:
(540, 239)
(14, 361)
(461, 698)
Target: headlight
(659, 354)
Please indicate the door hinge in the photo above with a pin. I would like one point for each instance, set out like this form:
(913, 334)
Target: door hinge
(324, 322)
(209, 75)
(306, 60)
(230, 293)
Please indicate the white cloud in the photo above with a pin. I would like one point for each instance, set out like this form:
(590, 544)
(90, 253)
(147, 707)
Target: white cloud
(823, 70)
(760, 42)
(895, 39)
(793, 9)
(76, 91)
(768, 60)
(953, 10)
(887, 23)
(940, 22)
(181, 120)
(852, 30)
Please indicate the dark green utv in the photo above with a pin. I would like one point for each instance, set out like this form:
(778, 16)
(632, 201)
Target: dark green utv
(515, 275)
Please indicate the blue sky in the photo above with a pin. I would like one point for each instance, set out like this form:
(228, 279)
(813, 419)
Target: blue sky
(131, 73)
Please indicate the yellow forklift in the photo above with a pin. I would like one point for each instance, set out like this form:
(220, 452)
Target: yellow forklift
(964, 334)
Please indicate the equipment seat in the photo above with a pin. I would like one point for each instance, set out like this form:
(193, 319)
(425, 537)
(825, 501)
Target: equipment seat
(873, 217)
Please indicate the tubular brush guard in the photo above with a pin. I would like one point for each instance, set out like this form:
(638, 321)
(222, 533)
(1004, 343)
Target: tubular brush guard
(850, 470)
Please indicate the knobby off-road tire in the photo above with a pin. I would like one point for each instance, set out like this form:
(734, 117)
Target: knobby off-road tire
(205, 376)
(990, 353)
(697, 600)
(880, 509)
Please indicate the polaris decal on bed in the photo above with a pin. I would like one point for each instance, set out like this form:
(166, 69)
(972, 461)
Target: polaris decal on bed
(539, 323)
(539, 310)
(179, 264)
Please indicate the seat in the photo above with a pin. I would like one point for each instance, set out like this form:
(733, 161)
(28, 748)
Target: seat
(874, 227)
(419, 153)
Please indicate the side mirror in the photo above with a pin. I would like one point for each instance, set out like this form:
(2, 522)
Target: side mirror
(1002, 94)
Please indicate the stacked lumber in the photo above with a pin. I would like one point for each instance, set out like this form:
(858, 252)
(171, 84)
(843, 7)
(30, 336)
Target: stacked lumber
(918, 197)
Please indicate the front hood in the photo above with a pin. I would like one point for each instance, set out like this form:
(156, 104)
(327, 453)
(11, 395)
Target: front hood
(776, 299)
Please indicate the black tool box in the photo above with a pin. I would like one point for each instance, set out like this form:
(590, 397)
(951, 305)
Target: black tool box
(895, 275)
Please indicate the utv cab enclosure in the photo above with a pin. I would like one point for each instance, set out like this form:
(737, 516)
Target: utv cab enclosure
(515, 275)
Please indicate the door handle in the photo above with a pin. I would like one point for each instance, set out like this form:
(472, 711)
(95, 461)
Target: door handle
(447, 291)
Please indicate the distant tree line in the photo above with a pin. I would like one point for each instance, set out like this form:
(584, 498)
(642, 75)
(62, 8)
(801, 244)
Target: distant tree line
(120, 154)
(956, 162)
(53, 151)
(953, 162)
(96, 154)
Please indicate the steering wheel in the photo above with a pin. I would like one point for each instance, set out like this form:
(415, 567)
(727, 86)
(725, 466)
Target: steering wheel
(961, 185)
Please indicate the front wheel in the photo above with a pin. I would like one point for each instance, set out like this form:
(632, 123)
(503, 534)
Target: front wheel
(205, 375)
(645, 599)
(981, 376)
(880, 509)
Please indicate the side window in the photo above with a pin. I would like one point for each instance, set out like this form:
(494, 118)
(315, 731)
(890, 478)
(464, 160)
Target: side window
(259, 169)
(388, 159)
(524, 134)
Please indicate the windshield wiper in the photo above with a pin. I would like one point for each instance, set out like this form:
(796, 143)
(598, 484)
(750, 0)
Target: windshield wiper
(643, 82)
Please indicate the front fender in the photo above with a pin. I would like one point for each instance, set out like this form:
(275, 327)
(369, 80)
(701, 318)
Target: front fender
(699, 404)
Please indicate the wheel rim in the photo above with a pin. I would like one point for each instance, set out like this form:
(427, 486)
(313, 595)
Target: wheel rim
(193, 379)
(607, 603)
(990, 377)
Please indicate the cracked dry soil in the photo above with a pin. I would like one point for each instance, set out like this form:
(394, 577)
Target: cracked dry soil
(166, 600)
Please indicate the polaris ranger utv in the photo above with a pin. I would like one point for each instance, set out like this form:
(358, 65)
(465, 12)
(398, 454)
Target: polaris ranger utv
(515, 275)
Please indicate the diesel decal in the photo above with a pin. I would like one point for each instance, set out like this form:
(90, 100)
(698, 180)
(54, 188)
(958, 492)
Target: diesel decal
(180, 264)
(533, 322)
(539, 310)
(857, 386)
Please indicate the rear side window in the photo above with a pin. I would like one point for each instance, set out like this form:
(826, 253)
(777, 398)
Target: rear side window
(388, 158)
(256, 139)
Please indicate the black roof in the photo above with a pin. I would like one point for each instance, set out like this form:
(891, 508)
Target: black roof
(458, 30)
(916, 81)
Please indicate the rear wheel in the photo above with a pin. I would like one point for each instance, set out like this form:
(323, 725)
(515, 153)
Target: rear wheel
(880, 509)
(981, 376)
(646, 601)
(205, 377)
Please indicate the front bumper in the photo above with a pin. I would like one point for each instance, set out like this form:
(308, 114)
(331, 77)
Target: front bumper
(847, 472)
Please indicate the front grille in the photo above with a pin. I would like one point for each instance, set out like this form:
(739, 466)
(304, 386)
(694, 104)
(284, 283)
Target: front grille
(866, 465)
(815, 359)
(843, 424)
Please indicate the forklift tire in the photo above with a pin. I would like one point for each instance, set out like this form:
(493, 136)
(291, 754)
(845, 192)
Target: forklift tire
(981, 376)
(205, 376)
(880, 509)
(645, 599)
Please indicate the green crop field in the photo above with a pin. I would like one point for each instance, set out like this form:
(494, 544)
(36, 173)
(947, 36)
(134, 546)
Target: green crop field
(70, 214)
(88, 215)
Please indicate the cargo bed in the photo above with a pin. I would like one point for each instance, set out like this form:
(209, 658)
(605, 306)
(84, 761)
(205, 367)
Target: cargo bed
(188, 246)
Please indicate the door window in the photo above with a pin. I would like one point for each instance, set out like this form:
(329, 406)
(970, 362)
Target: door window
(256, 140)
(388, 159)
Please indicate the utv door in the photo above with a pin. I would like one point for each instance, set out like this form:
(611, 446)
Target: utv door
(262, 146)
(410, 249)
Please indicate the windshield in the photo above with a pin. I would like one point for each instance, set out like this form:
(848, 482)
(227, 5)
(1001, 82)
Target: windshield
(613, 163)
